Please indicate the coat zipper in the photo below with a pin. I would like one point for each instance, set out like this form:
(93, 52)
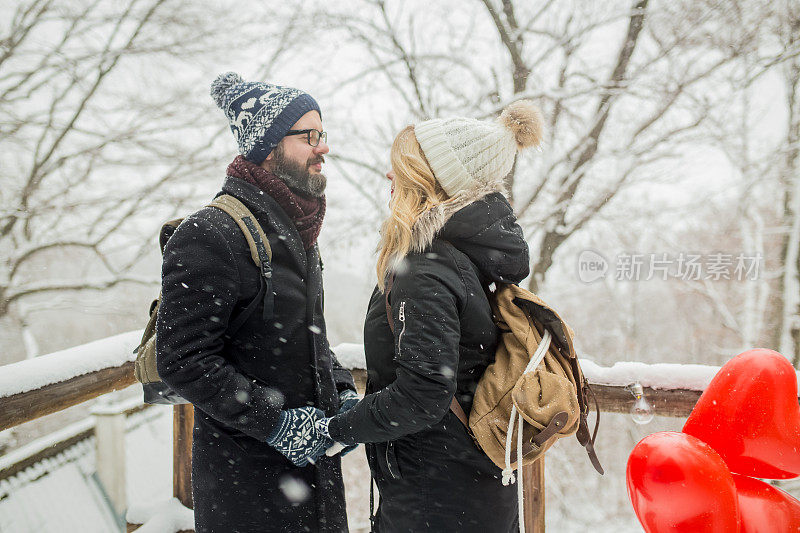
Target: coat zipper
(388, 462)
(402, 318)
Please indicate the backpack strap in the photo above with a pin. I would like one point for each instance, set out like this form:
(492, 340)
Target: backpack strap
(455, 407)
(583, 436)
(260, 252)
(457, 410)
(549, 318)
(167, 229)
(389, 283)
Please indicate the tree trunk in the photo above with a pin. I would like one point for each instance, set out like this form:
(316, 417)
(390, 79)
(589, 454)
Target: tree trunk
(790, 282)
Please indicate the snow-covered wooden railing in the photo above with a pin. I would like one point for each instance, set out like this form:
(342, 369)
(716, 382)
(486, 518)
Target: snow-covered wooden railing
(49, 383)
(672, 389)
(36, 387)
(33, 388)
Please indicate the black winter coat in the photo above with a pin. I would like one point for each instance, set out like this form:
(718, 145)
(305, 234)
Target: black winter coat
(430, 474)
(238, 385)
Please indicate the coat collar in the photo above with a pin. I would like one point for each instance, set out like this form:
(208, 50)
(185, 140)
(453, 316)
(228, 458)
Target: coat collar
(482, 225)
(431, 222)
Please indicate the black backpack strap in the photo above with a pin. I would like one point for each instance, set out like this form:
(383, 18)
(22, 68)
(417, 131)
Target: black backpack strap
(264, 264)
(260, 252)
(242, 317)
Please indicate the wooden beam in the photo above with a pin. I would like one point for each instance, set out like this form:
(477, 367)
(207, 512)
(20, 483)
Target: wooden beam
(182, 425)
(533, 493)
(617, 399)
(30, 405)
(360, 377)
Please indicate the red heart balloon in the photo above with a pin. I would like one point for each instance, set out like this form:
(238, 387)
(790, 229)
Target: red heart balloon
(749, 414)
(678, 483)
(765, 509)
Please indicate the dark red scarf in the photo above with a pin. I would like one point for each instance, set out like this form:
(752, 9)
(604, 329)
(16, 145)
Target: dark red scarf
(305, 210)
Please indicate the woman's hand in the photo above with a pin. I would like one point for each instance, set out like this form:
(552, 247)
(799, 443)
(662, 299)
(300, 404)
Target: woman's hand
(336, 447)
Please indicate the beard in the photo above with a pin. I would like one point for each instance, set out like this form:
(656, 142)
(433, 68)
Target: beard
(297, 174)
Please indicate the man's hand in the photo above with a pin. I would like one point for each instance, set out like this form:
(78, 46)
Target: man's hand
(347, 400)
(296, 435)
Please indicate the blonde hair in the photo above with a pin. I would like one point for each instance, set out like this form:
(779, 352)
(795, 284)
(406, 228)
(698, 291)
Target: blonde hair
(416, 191)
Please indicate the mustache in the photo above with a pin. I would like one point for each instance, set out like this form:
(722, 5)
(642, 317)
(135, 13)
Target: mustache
(314, 161)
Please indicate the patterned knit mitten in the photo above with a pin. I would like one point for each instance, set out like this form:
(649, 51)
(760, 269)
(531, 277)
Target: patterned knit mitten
(296, 436)
(348, 398)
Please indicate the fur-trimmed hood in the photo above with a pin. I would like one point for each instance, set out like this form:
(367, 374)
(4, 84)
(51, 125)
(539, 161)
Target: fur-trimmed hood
(482, 224)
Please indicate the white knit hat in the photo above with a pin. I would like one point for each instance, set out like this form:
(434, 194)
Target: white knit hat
(465, 153)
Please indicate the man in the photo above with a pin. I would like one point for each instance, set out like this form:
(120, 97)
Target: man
(258, 464)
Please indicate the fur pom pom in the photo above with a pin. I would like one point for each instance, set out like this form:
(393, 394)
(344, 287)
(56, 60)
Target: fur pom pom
(221, 84)
(524, 120)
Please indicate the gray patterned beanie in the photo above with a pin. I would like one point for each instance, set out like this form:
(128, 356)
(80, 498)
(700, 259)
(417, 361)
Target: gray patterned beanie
(260, 114)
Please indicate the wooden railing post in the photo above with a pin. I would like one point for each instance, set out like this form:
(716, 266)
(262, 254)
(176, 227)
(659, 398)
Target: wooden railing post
(109, 433)
(182, 424)
(533, 493)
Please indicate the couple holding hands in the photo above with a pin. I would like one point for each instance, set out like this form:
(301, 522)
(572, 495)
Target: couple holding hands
(274, 410)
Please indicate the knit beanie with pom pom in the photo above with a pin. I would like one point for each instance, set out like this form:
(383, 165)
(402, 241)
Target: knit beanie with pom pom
(260, 114)
(467, 154)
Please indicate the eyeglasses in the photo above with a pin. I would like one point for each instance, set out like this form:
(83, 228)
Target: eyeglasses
(312, 136)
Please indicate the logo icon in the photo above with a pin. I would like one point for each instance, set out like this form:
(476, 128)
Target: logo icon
(591, 266)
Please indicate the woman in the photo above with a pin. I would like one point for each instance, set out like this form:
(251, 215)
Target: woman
(450, 235)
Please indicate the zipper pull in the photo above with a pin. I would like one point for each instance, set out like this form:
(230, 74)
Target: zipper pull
(402, 318)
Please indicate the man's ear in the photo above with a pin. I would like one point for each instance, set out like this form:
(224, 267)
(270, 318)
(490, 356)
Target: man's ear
(267, 163)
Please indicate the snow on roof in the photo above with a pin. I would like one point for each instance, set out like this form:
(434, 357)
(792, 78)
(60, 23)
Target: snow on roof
(39, 445)
(74, 500)
(66, 364)
(57, 495)
(63, 500)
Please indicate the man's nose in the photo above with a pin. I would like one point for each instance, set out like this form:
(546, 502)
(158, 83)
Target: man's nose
(321, 148)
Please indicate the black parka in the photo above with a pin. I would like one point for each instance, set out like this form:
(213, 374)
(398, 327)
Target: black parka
(238, 384)
(430, 474)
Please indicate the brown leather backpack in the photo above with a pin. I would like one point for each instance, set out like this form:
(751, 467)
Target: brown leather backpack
(536, 377)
